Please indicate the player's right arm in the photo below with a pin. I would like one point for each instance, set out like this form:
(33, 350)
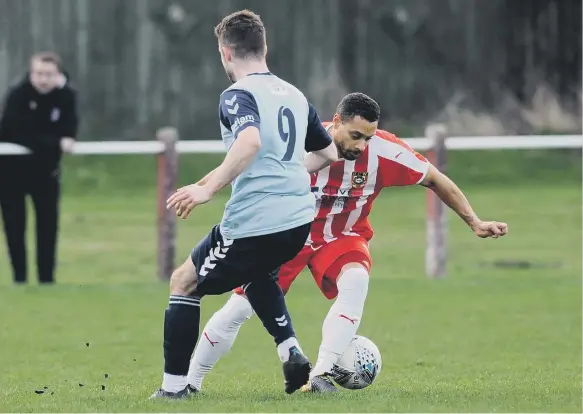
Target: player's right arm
(205, 179)
(243, 121)
(320, 147)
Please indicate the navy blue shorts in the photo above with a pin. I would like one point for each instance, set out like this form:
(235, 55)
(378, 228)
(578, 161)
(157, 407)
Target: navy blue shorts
(223, 265)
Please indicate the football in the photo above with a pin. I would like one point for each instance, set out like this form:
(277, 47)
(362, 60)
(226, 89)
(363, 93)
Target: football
(359, 365)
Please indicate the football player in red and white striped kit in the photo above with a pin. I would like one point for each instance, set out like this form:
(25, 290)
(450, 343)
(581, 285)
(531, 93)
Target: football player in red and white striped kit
(337, 251)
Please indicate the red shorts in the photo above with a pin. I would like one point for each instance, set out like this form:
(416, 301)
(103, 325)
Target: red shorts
(325, 262)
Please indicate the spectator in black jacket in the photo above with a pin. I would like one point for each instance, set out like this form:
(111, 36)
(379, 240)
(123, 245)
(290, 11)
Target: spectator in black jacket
(40, 113)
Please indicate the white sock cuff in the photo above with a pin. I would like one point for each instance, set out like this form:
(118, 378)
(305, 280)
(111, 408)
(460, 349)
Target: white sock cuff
(284, 347)
(354, 279)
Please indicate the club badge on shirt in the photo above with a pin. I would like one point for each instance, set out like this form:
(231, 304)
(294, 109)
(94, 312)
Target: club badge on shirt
(359, 179)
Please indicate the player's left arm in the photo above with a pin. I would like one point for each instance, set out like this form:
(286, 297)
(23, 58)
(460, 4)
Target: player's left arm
(455, 199)
(320, 148)
(400, 165)
(238, 113)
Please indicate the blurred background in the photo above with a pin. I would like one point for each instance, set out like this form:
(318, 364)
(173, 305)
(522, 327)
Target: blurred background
(501, 332)
(483, 66)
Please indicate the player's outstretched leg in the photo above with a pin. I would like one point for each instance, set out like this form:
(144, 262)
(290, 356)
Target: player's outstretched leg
(340, 325)
(218, 337)
(268, 302)
(181, 323)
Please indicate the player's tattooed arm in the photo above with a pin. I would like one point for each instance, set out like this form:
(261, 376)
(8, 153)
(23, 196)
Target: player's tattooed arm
(205, 179)
(455, 199)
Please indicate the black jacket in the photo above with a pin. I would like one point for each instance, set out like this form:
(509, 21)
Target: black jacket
(39, 121)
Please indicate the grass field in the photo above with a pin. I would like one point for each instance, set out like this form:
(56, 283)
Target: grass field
(486, 338)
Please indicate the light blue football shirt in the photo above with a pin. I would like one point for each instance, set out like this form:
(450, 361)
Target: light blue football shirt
(273, 193)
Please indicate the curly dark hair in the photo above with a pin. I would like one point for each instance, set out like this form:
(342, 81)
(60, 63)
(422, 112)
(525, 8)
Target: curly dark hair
(358, 104)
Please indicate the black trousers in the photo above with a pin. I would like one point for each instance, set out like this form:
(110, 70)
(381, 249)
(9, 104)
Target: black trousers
(44, 189)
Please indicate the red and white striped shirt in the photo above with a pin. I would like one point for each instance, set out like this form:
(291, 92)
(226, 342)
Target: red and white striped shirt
(346, 190)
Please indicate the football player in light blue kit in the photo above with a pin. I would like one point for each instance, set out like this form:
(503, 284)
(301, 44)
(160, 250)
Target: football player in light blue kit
(268, 126)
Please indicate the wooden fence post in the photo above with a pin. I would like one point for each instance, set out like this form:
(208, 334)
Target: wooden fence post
(167, 181)
(436, 235)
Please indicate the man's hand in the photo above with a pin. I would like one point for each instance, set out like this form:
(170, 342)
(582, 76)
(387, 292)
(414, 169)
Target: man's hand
(67, 144)
(490, 229)
(187, 198)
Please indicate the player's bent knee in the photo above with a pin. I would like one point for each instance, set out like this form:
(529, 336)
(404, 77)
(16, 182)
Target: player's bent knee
(232, 315)
(238, 309)
(353, 277)
(183, 281)
(353, 266)
(241, 304)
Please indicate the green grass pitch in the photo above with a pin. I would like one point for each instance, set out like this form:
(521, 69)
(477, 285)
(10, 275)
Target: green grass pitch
(484, 339)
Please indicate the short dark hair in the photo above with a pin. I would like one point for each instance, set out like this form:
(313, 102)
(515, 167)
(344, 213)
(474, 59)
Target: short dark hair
(48, 57)
(358, 104)
(242, 31)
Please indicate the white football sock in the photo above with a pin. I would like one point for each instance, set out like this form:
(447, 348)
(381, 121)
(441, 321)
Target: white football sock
(285, 346)
(343, 319)
(173, 383)
(218, 337)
